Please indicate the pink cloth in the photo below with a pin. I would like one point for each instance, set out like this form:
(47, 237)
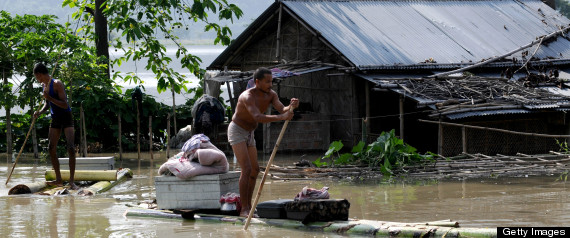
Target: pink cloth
(311, 193)
(208, 159)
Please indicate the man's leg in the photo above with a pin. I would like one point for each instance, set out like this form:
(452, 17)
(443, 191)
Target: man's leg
(252, 152)
(54, 134)
(70, 141)
(242, 156)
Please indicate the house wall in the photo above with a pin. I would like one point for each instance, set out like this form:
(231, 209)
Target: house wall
(297, 43)
(327, 112)
(492, 142)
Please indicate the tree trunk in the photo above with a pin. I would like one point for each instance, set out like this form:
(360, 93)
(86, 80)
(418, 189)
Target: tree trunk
(102, 39)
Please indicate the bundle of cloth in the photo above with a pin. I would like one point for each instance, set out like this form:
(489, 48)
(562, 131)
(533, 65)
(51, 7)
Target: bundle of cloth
(311, 193)
(198, 157)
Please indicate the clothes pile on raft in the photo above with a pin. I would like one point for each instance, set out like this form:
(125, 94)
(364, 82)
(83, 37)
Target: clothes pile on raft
(198, 157)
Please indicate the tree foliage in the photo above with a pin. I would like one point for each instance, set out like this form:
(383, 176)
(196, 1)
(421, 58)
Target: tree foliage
(141, 23)
(563, 7)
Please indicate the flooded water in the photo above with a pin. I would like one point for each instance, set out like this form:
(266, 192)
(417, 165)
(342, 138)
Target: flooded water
(488, 202)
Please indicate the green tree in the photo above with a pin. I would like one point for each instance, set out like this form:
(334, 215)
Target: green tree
(141, 23)
(564, 7)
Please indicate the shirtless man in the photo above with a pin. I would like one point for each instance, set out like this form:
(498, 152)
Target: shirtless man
(61, 119)
(248, 114)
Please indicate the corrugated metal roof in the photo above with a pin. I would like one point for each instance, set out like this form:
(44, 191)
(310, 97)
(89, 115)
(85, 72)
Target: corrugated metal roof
(404, 33)
(486, 113)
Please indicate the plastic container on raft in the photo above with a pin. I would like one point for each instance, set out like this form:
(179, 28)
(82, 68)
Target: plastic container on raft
(274, 209)
(199, 192)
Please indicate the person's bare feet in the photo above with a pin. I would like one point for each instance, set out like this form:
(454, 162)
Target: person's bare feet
(73, 186)
(54, 183)
(245, 213)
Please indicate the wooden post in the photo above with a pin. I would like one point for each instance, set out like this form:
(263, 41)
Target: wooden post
(168, 136)
(440, 138)
(34, 141)
(174, 111)
(150, 136)
(82, 115)
(34, 136)
(120, 138)
(364, 134)
(367, 94)
(401, 117)
(464, 139)
(231, 98)
(8, 124)
(138, 134)
(81, 142)
(278, 45)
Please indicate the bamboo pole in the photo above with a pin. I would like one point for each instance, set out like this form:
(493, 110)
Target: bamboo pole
(351, 227)
(278, 43)
(83, 131)
(27, 188)
(265, 173)
(367, 95)
(84, 175)
(464, 139)
(102, 186)
(138, 134)
(21, 149)
(150, 136)
(401, 117)
(494, 129)
(174, 110)
(8, 123)
(168, 136)
(120, 139)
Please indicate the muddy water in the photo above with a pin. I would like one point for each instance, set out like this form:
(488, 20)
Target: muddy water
(488, 202)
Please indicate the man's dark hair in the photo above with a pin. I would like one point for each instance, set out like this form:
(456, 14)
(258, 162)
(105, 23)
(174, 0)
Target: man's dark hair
(40, 68)
(260, 73)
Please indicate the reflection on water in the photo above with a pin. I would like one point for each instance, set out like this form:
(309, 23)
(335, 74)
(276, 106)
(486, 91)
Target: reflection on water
(533, 201)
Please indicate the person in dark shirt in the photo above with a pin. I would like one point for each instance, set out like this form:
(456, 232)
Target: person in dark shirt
(61, 119)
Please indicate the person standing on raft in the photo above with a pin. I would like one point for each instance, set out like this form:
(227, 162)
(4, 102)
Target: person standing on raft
(61, 119)
(251, 103)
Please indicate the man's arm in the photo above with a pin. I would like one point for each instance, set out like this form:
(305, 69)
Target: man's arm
(280, 107)
(41, 111)
(251, 107)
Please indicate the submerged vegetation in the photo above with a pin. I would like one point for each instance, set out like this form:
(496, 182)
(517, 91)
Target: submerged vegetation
(387, 153)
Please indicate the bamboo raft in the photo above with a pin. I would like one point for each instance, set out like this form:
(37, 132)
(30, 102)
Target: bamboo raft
(104, 180)
(462, 166)
(444, 228)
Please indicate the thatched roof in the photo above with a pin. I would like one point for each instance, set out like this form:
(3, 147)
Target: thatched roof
(459, 97)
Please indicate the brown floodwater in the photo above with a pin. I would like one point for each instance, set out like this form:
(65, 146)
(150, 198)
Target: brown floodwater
(485, 202)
